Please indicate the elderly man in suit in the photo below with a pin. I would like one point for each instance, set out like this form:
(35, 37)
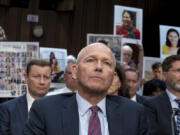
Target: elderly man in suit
(133, 83)
(90, 110)
(160, 106)
(14, 113)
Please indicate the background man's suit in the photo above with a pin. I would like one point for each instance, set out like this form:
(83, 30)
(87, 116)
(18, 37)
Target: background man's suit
(58, 115)
(159, 110)
(13, 115)
(140, 99)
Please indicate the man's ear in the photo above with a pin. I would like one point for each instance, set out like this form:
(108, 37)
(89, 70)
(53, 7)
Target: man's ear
(25, 76)
(164, 75)
(115, 75)
(74, 71)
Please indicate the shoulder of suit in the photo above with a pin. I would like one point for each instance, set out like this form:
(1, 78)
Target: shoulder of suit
(141, 97)
(52, 98)
(155, 100)
(123, 101)
(13, 102)
(159, 96)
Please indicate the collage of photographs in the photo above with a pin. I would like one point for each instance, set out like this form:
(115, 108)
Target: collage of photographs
(12, 66)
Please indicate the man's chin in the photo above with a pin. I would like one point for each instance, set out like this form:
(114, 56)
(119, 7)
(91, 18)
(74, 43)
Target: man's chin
(177, 87)
(97, 91)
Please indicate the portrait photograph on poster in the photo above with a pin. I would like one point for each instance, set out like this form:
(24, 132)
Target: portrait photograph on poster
(14, 57)
(169, 40)
(128, 22)
(147, 67)
(132, 55)
(112, 41)
(57, 58)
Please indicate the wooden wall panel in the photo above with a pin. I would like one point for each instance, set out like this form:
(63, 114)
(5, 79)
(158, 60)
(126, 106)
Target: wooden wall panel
(105, 16)
(78, 40)
(68, 28)
(25, 27)
(48, 22)
(64, 31)
(12, 28)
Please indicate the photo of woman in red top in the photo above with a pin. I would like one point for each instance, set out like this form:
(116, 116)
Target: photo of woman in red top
(128, 29)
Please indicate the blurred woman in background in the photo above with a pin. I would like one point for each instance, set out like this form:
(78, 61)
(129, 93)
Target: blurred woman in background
(119, 86)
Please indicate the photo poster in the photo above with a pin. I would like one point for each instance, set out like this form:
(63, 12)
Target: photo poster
(112, 41)
(169, 40)
(14, 57)
(136, 55)
(147, 67)
(128, 22)
(60, 55)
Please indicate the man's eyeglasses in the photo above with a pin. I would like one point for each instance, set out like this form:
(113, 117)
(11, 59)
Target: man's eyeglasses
(175, 70)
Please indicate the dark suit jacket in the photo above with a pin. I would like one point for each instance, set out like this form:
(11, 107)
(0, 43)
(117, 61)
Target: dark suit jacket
(140, 99)
(159, 110)
(58, 115)
(13, 115)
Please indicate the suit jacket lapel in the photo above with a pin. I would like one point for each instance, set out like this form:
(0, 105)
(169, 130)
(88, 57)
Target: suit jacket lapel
(70, 116)
(114, 119)
(22, 109)
(139, 99)
(166, 108)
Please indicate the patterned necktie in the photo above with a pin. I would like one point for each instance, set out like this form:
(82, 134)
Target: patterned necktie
(94, 122)
(178, 117)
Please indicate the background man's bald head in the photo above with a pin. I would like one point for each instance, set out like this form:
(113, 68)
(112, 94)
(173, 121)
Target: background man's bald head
(127, 48)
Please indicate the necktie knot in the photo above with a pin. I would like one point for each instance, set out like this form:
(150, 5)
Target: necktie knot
(94, 109)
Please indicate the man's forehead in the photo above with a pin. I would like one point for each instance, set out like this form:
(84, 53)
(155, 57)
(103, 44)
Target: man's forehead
(96, 46)
(93, 48)
(175, 63)
(33, 68)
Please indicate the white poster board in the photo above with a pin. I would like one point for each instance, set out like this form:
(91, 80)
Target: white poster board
(60, 55)
(112, 41)
(169, 40)
(14, 57)
(128, 22)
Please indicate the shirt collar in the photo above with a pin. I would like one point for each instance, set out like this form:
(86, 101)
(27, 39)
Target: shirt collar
(171, 96)
(30, 100)
(84, 105)
(134, 98)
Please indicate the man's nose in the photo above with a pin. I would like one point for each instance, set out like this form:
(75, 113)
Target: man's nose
(130, 84)
(99, 65)
(42, 80)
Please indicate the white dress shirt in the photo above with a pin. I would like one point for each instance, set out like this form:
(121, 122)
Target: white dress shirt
(30, 100)
(134, 98)
(172, 98)
(85, 113)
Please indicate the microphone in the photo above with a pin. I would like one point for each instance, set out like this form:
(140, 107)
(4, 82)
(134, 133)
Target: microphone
(174, 112)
